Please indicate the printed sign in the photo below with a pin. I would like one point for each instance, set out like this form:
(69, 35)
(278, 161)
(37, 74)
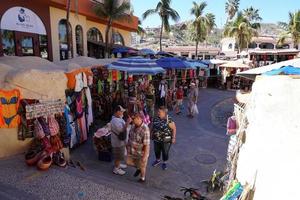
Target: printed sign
(22, 19)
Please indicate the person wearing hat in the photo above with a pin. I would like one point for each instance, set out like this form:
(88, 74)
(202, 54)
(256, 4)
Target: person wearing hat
(138, 146)
(118, 127)
(193, 98)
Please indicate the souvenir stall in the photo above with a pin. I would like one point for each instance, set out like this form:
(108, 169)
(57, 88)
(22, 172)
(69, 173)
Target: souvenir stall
(179, 73)
(32, 111)
(136, 73)
(202, 72)
(229, 78)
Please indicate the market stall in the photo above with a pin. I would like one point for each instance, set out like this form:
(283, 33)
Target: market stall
(136, 77)
(32, 107)
(179, 73)
(229, 79)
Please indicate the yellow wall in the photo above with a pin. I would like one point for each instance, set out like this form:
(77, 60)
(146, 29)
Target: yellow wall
(57, 14)
(9, 143)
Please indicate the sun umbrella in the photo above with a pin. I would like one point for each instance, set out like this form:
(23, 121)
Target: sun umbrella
(174, 63)
(285, 70)
(197, 64)
(136, 66)
(163, 53)
(145, 52)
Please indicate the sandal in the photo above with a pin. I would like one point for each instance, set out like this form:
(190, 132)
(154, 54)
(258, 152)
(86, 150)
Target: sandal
(59, 159)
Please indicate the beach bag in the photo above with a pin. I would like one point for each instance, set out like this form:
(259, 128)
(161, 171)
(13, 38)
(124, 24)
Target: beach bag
(231, 125)
(195, 110)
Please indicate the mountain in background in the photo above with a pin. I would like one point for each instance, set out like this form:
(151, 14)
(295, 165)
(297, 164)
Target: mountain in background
(181, 35)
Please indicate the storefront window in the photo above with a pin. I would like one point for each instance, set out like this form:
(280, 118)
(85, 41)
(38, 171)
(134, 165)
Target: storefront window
(118, 39)
(65, 49)
(79, 40)
(43, 46)
(27, 46)
(8, 43)
(94, 35)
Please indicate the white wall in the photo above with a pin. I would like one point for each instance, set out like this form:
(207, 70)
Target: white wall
(272, 145)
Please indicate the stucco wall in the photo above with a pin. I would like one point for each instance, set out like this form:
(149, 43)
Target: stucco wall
(57, 14)
(9, 143)
(272, 139)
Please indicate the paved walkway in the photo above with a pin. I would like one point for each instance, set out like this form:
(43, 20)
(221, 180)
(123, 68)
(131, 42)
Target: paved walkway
(200, 148)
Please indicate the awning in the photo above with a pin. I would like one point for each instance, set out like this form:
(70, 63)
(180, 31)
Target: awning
(213, 62)
(174, 63)
(83, 61)
(286, 70)
(136, 66)
(252, 73)
(234, 64)
(145, 52)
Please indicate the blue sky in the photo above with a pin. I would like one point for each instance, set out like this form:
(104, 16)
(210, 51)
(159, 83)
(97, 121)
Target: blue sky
(271, 11)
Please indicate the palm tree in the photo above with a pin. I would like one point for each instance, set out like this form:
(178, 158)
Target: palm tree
(165, 12)
(292, 29)
(231, 8)
(242, 30)
(210, 23)
(112, 10)
(203, 24)
(140, 29)
(252, 14)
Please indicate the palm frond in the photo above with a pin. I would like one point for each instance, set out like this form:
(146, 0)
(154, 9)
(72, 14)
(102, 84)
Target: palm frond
(148, 13)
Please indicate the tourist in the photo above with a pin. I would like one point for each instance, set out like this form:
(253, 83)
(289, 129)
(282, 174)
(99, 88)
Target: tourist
(192, 98)
(179, 99)
(163, 89)
(150, 99)
(138, 146)
(118, 128)
(163, 135)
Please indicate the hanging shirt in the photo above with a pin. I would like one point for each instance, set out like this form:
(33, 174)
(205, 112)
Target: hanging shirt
(90, 118)
(162, 88)
(9, 105)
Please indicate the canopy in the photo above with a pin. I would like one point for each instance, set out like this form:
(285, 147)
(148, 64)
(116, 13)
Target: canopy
(197, 64)
(124, 50)
(163, 53)
(36, 78)
(286, 70)
(252, 73)
(83, 61)
(146, 52)
(213, 62)
(136, 66)
(174, 63)
(234, 64)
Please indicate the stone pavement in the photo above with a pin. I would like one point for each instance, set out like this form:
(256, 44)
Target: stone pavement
(201, 147)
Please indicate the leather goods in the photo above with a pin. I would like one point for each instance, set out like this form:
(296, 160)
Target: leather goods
(45, 162)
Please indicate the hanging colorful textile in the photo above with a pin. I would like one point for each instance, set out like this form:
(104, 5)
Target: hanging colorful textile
(109, 79)
(119, 76)
(150, 77)
(9, 105)
(183, 73)
(191, 73)
(114, 75)
(100, 87)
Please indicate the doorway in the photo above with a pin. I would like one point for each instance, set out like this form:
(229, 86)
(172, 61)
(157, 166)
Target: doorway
(27, 44)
